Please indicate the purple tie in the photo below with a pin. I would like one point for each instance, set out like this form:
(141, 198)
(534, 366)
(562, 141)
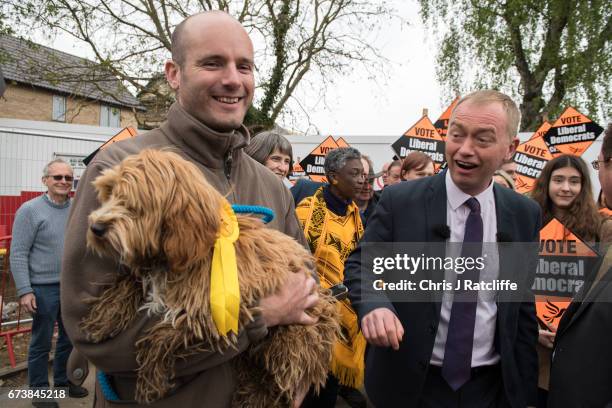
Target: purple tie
(457, 364)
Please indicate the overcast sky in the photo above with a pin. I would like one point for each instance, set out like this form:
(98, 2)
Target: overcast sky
(357, 105)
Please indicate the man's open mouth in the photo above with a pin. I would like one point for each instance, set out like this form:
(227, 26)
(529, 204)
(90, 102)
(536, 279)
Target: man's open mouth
(466, 165)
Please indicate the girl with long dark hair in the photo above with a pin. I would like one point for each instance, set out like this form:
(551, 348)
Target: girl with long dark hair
(564, 192)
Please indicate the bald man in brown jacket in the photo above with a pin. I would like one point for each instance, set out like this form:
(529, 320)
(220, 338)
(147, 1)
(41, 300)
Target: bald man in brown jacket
(212, 71)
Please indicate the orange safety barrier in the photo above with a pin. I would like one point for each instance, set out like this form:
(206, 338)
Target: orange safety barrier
(9, 333)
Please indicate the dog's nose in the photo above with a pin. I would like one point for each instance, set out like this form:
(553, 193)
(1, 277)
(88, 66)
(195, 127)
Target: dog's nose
(98, 229)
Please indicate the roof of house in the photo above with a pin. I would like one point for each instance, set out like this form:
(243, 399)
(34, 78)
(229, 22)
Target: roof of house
(34, 64)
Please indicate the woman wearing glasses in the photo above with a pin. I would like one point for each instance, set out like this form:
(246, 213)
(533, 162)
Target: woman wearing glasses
(332, 226)
(564, 192)
(602, 204)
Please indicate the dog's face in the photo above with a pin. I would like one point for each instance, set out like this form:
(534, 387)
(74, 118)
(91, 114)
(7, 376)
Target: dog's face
(155, 208)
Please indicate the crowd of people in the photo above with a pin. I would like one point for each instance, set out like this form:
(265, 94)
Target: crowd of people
(563, 191)
(441, 353)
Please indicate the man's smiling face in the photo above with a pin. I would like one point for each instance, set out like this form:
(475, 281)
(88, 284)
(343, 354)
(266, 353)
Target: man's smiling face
(215, 82)
(477, 143)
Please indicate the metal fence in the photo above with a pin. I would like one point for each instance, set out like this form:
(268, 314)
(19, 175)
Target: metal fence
(15, 324)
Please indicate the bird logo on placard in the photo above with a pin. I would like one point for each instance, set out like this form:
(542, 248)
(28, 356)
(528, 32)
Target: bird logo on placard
(520, 183)
(555, 312)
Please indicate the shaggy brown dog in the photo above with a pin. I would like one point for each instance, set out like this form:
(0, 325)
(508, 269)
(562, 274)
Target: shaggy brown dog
(160, 217)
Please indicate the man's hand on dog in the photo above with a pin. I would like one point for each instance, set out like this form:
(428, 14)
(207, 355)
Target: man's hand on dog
(289, 305)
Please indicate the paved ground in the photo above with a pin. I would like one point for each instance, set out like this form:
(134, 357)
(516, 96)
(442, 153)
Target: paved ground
(64, 403)
(5, 402)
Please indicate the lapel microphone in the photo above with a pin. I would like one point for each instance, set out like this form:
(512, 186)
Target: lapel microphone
(504, 237)
(442, 230)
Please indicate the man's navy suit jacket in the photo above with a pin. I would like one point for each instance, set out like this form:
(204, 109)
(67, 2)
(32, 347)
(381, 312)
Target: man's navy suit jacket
(415, 211)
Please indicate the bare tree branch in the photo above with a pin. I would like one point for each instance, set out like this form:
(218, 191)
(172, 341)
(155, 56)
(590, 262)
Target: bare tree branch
(131, 38)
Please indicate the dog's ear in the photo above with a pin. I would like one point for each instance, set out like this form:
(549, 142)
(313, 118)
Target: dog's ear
(192, 217)
(105, 182)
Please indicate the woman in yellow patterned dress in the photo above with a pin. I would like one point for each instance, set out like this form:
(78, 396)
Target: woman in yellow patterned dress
(332, 226)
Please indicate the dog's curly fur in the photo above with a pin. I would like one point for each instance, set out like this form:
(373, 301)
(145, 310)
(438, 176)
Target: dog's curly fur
(160, 217)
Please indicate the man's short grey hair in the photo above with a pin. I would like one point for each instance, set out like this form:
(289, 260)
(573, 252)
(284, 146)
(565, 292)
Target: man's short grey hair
(52, 162)
(486, 96)
(337, 158)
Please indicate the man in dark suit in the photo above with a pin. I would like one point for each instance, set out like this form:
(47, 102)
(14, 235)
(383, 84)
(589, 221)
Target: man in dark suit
(443, 352)
(581, 370)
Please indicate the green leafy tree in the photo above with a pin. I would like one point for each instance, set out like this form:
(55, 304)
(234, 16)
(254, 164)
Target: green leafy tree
(293, 38)
(546, 53)
(4, 29)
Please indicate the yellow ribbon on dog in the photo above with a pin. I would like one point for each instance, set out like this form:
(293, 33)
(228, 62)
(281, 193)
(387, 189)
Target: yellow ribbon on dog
(224, 287)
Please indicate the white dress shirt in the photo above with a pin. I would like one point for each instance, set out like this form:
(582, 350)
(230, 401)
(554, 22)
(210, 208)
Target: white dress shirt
(483, 352)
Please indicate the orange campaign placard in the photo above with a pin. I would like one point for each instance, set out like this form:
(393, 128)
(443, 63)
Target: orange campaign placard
(297, 172)
(421, 137)
(541, 132)
(314, 162)
(342, 143)
(530, 159)
(572, 133)
(441, 124)
(565, 263)
(606, 212)
(125, 133)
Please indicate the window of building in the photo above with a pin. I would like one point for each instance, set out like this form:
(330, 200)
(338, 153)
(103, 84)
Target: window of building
(110, 116)
(59, 108)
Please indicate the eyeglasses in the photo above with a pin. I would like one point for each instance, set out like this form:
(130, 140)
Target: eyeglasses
(59, 177)
(597, 163)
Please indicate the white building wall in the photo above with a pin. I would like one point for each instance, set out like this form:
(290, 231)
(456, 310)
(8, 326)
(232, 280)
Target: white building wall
(26, 146)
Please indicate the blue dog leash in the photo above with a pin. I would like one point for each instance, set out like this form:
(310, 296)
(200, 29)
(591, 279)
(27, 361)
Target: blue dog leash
(106, 387)
(267, 215)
